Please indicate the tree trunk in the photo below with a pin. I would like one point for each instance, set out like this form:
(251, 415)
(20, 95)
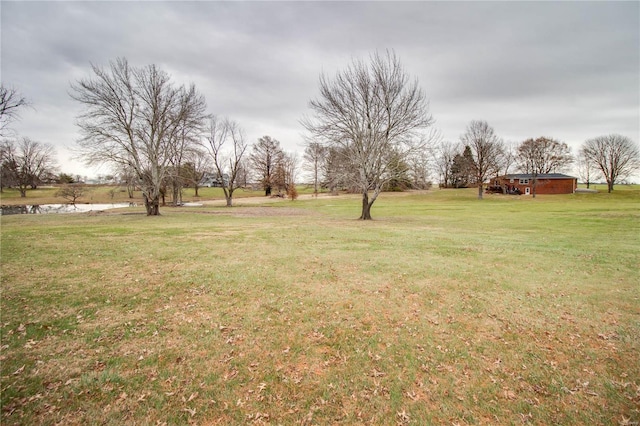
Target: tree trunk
(533, 189)
(366, 207)
(267, 191)
(152, 205)
(175, 194)
(480, 191)
(610, 186)
(315, 180)
(229, 196)
(195, 187)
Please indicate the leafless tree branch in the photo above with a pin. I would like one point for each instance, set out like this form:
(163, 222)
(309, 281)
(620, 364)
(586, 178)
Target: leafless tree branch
(136, 117)
(372, 114)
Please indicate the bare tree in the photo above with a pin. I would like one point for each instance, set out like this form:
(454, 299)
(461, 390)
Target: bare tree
(289, 164)
(419, 169)
(226, 144)
(197, 164)
(337, 172)
(315, 155)
(135, 117)
(585, 167)
(11, 101)
(509, 156)
(279, 175)
(185, 142)
(375, 114)
(443, 156)
(27, 163)
(265, 156)
(486, 148)
(244, 173)
(127, 176)
(616, 156)
(6, 171)
(71, 192)
(543, 155)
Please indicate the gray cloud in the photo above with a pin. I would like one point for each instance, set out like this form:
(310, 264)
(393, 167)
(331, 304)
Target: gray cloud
(564, 69)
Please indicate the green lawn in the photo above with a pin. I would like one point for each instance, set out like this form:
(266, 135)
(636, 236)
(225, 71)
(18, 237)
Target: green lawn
(443, 310)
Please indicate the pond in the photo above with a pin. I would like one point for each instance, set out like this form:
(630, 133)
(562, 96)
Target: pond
(58, 208)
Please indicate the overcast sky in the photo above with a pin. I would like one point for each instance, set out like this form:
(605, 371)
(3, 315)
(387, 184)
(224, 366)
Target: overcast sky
(568, 70)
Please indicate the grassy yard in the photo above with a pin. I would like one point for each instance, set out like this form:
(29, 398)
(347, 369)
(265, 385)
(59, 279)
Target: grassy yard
(443, 310)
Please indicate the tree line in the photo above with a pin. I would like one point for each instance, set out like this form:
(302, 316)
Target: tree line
(480, 155)
(368, 130)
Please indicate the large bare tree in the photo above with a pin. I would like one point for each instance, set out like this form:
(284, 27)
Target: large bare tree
(543, 155)
(11, 101)
(486, 149)
(26, 163)
(376, 115)
(226, 145)
(616, 156)
(135, 117)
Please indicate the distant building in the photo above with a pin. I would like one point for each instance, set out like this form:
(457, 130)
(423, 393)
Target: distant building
(214, 180)
(550, 183)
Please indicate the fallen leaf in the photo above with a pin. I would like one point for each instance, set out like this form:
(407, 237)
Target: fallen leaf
(404, 417)
(508, 394)
(376, 373)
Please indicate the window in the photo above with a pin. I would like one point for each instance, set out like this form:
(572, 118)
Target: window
(524, 181)
(510, 180)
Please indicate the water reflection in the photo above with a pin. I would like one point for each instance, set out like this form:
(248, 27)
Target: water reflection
(57, 208)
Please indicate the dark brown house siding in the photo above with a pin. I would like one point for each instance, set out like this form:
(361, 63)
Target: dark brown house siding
(552, 184)
(556, 186)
